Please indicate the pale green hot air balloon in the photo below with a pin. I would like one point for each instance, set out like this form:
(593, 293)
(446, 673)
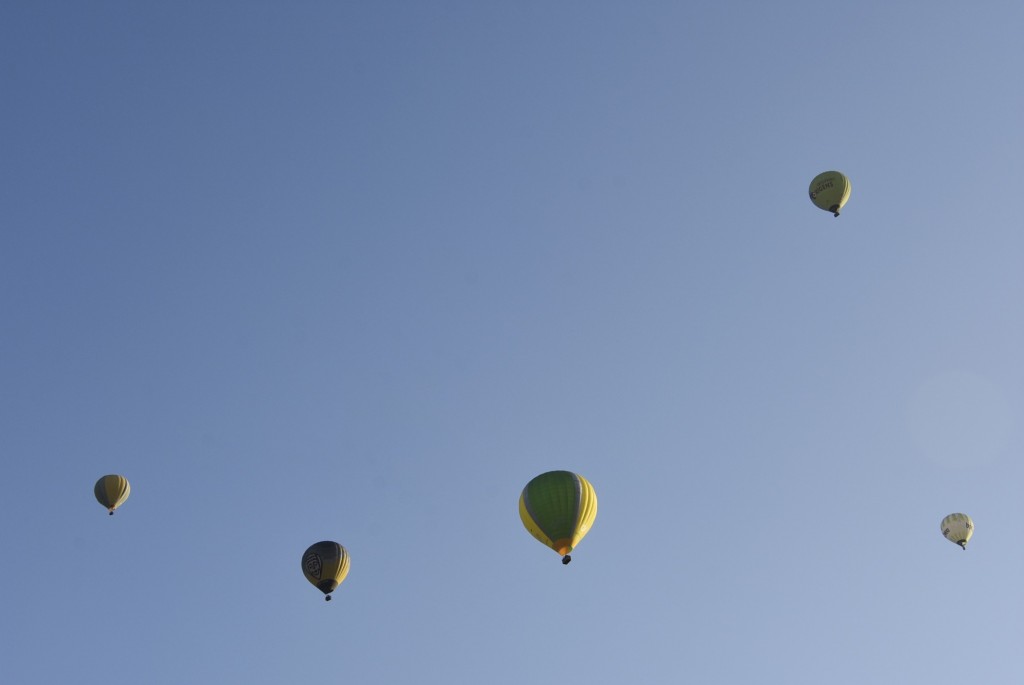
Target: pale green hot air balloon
(830, 191)
(958, 529)
(111, 491)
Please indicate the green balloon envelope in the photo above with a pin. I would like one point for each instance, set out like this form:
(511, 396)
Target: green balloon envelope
(830, 191)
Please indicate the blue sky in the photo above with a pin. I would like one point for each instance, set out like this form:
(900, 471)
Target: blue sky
(358, 271)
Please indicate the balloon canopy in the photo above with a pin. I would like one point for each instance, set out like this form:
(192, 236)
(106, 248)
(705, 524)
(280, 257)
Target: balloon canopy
(325, 565)
(958, 529)
(830, 191)
(558, 508)
(111, 491)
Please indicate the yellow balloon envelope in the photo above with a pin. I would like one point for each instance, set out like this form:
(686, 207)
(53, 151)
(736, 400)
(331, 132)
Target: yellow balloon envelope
(830, 191)
(325, 565)
(558, 508)
(111, 491)
(958, 529)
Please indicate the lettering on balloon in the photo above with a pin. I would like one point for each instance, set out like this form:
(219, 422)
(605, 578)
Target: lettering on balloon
(822, 186)
(311, 562)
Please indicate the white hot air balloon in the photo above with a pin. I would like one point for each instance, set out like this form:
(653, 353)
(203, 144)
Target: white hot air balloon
(958, 529)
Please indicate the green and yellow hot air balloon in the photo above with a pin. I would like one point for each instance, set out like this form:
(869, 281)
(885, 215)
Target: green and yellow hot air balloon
(830, 191)
(958, 529)
(558, 508)
(111, 491)
(325, 565)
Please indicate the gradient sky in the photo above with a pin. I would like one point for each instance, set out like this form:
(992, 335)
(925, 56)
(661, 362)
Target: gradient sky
(358, 271)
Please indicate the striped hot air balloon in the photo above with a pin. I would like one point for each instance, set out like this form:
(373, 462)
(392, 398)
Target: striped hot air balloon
(111, 491)
(325, 565)
(558, 508)
(958, 529)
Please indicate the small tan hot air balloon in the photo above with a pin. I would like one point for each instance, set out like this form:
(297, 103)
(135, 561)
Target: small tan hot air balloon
(111, 491)
(830, 191)
(325, 565)
(958, 529)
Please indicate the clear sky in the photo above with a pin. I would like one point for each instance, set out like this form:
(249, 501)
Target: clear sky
(359, 270)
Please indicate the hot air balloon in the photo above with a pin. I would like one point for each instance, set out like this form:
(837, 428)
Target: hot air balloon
(958, 529)
(830, 191)
(558, 508)
(325, 565)
(111, 491)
